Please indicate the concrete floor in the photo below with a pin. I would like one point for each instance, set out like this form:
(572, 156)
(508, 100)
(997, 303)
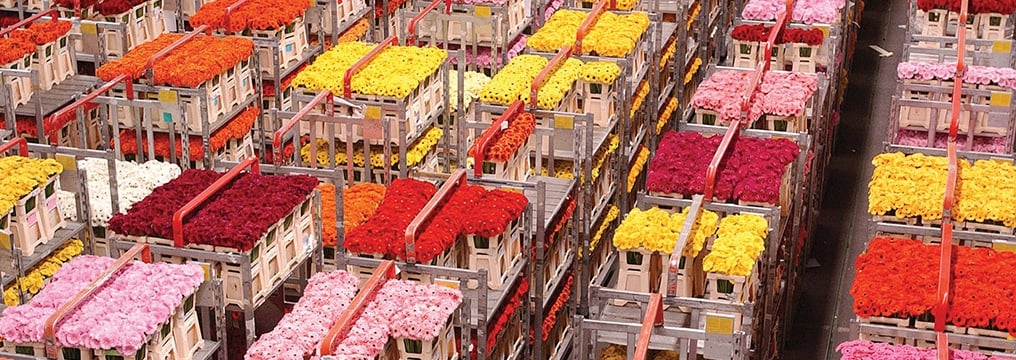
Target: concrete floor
(825, 308)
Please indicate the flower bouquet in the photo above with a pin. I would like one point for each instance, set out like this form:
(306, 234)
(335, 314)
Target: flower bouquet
(134, 182)
(729, 265)
(421, 152)
(218, 65)
(507, 153)
(867, 350)
(613, 35)
(230, 142)
(474, 83)
(281, 20)
(124, 316)
(359, 203)
(513, 83)
(36, 278)
(980, 295)
(783, 97)
(28, 203)
(808, 12)
(755, 171)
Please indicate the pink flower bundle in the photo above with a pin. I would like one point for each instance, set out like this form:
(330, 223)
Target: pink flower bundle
(121, 315)
(401, 309)
(483, 57)
(867, 350)
(1004, 7)
(808, 12)
(552, 7)
(974, 74)
(783, 94)
(236, 217)
(298, 334)
(751, 172)
(986, 144)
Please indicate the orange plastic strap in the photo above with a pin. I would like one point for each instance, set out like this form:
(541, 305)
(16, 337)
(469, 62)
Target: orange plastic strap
(51, 323)
(51, 12)
(223, 180)
(457, 179)
(347, 80)
(653, 318)
(277, 137)
(411, 39)
(480, 153)
(547, 72)
(128, 84)
(20, 142)
(345, 323)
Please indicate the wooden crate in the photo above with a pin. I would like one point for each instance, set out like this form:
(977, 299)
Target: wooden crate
(19, 87)
(633, 271)
(222, 94)
(346, 10)
(292, 46)
(991, 26)
(746, 53)
(507, 18)
(996, 121)
(495, 254)
(803, 57)
(136, 32)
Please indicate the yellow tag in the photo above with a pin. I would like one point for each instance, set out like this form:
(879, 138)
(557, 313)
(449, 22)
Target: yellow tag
(1001, 99)
(719, 324)
(68, 162)
(825, 30)
(564, 122)
(1001, 46)
(482, 11)
(373, 112)
(167, 96)
(89, 28)
(447, 283)
(206, 267)
(1002, 246)
(5, 239)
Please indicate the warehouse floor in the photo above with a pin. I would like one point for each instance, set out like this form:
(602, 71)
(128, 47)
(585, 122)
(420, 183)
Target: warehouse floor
(825, 307)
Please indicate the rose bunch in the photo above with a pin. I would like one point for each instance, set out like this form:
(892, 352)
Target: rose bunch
(783, 94)
(973, 74)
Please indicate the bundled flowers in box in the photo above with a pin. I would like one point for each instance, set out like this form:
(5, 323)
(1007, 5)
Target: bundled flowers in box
(565, 169)
(782, 94)
(196, 61)
(14, 49)
(395, 72)
(403, 310)
(507, 312)
(760, 33)
(657, 230)
(693, 68)
(613, 35)
(114, 7)
(513, 82)
(236, 128)
(20, 175)
(867, 350)
(620, 352)
(973, 74)
(752, 171)
(739, 242)
(36, 277)
(505, 143)
(554, 311)
(474, 84)
(1004, 7)
(600, 72)
(636, 168)
(134, 182)
(121, 315)
(668, 111)
(381, 234)
(808, 12)
(43, 32)
(416, 153)
(981, 295)
(297, 335)
(914, 185)
(27, 125)
(623, 5)
(987, 144)
(237, 217)
(255, 14)
(612, 213)
(359, 203)
(355, 32)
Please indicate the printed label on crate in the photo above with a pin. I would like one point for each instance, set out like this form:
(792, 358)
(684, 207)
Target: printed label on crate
(167, 117)
(68, 162)
(482, 11)
(1001, 46)
(447, 283)
(719, 324)
(51, 203)
(206, 267)
(33, 218)
(564, 122)
(999, 98)
(289, 47)
(1003, 246)
(167, 96)
(89, 28)
(5, 239)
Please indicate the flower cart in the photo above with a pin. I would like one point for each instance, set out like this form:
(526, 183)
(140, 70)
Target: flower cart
(73, 316)
(409, 97)
(338, 17)
(801, 48)
(489, 32)
(31, 216)
(932, 33)
(503, 150)
(232, 142)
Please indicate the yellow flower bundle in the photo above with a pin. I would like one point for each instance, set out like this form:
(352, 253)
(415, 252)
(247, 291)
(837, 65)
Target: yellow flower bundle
(668, 53)
(414, 154)
(657, 230)
(739, 242)
(565, 169)
(636, 169)
(640, 97)
(623, 5)
(395, 72)
(613, 35)
(612, 213)
(667, 112)
(36, 277)
(914, 185)
(694, 68)
(20, 175)
(600, 72)
(515, 80)
(475, 82)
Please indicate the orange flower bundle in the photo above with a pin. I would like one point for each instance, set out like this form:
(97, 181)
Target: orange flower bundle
(359, 203)
(255, 14)
(189, 65)
(269, 91)
(507, 142)
(13, 49)
(355, 32)
(45, 32)
(236, 128)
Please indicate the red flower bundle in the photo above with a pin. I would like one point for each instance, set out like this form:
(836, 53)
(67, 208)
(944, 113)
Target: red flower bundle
(569, 210)
(385, 232)
(236, 217)
(8, 19)
(114, 7)
(760, 33)
(491, 214)
(189, 65)
(506, 142)
(26, 124)
(552, 313)
(392, 6)
(1004, 7)
(236, 128)
(69, 4)
(898, 278)
(751, 172)
(254, 14)
(269, 91)
(506, 313)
